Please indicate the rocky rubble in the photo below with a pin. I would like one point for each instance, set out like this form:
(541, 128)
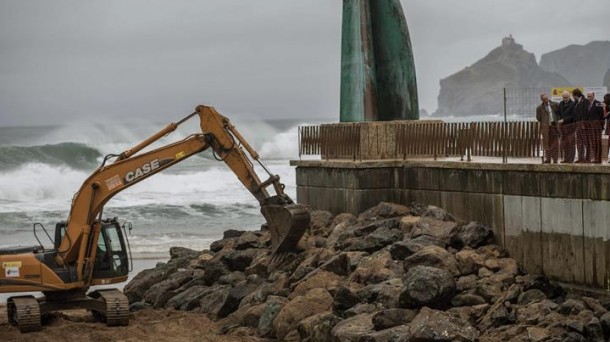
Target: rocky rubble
(394, 273)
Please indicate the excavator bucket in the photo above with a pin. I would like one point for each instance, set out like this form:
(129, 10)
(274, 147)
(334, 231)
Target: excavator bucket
(287, 224)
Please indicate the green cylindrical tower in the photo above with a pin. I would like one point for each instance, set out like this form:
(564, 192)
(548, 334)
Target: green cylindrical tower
(378, 79)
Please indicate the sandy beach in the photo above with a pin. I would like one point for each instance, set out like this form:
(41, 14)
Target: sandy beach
(146, 325)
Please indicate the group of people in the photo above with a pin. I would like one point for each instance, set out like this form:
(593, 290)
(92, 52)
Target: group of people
(572, 129)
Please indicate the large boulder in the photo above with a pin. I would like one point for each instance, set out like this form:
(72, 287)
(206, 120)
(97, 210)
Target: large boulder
(383, 294)
(595, 306)
(433, 227)
(175, 280)
(322, 279)
(232, 278)
(539, 282)
(344, 218)
(338, 234)
(182, 252)
(317, 328)
(433, 325)
(377, 240)
(143, 281)
(403, 249)
(252, 239)
(437, 213)
(357, 236)
(466, 283)
(500, 312)
(273, 306)
(427, 286)
(433, 256)
(232, 299)
(390, 318)
(214, 302)
(469, 261)
(407, 223)
(375, 268)
(361, 308)
(490, 289)
(189, 298)
(239, 259)
(232, 233)
(472, 235)
(219, 245)
(572, 307)
(384, 210)
(605, 323)
(338, 264)
(214, 269)
(321, 223)
(345, 298)
(312, 265)
(353, 329)
(314, 302)
(530, 296)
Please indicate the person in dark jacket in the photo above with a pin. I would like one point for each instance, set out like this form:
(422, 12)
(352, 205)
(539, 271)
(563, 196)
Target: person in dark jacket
(595, 125)
(565, 113)
(580, 112)
(606, 107)
(546, 114)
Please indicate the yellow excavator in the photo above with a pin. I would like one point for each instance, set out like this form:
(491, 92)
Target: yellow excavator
(90, 250)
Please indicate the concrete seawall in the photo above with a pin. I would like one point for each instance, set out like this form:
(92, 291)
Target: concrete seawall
(554, 219)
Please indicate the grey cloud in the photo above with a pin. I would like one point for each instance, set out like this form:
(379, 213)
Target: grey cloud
(67, 59)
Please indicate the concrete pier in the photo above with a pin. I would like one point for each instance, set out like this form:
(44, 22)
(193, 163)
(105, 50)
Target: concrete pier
(554, 219)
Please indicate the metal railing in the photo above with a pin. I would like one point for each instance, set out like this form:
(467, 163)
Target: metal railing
(421, 139)
(340, 142)
(310, 142)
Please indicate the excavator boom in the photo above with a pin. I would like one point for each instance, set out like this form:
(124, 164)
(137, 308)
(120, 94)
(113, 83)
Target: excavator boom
(287, 221)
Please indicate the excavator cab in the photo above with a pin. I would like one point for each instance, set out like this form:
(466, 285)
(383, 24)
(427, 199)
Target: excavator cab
(112, 256)
(111, 260)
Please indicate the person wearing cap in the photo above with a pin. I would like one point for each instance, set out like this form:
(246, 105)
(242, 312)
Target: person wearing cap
(546, 114)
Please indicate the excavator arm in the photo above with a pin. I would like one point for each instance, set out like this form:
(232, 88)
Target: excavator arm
(286, 220)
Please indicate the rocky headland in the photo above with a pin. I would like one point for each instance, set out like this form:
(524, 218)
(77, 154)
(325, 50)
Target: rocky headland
(582, 65)
(394, 273)
(478, 89)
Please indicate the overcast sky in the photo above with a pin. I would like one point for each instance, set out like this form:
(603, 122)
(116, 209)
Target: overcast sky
(118, 59)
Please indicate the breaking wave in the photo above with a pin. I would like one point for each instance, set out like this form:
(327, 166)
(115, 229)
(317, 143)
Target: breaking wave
(74, 155)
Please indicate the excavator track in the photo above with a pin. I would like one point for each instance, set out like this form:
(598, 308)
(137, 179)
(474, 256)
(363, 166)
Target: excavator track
(116, 308)
(24, 313)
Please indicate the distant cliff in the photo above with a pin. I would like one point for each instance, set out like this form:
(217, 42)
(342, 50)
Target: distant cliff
(607, 79)
(478, 89)
(582, 65)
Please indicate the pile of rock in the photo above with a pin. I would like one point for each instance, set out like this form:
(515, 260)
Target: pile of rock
(394, 273)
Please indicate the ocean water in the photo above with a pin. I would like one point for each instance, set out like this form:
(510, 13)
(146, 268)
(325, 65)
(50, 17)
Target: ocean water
(187, 205)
